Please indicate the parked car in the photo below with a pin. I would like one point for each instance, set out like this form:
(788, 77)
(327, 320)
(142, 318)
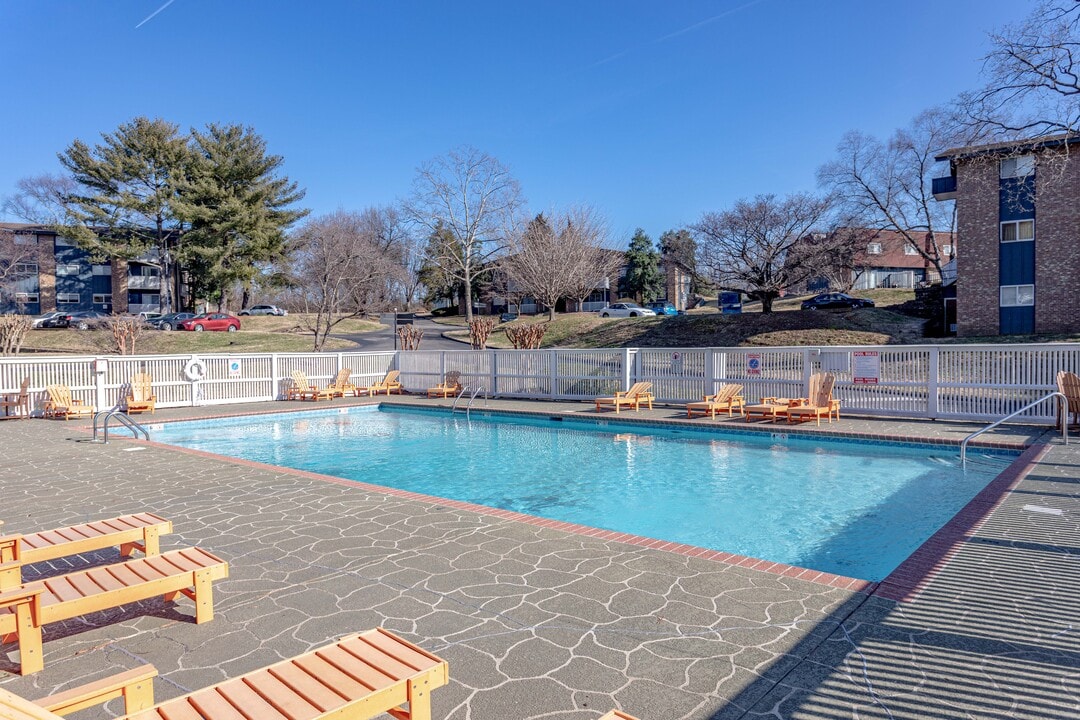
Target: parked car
(264, 310)
(211, 321)
(149, 317)
(79, 320)
(835, 301)
(40, 319)
(171, 321)
(624, 309)
(508, 317)
(662, 308)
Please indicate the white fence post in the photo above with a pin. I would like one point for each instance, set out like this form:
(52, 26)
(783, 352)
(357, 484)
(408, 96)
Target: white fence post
(626, 374)
(493, 373)
(932, 384)
(275, 376)
(100, 366)
(710, 373)
(553, 373)
(807, 368)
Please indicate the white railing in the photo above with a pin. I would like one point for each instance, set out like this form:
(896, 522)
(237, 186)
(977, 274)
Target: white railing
(957, 382)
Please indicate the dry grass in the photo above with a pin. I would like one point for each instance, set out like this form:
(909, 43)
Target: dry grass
(153, 342)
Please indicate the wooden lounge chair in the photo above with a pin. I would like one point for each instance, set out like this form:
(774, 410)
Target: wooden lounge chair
(633, 397)
(301, 389)
(728, 398)
(1068, 384)
(341, 385)
(131, 532)
(770, 408)
(141, 395)
(819, 403)
(26, 608)
(451, 385)
(387, 384)
(61, 405)
(358, 677)
(19, 401)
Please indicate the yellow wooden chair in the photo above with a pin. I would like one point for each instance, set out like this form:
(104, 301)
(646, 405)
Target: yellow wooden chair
(341, 385)
(387, 384)
(729, 398)
(61, 405)
(301, 389)
(451, 385)
(141, 396)
(19, 401)
(637, 394)
(358, 677)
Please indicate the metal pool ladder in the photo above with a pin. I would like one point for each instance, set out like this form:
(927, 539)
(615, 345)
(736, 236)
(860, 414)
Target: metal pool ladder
(1063, 404)
(472, 396)
(121, 417)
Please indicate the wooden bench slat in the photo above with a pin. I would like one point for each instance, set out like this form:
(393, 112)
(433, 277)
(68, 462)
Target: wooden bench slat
(281, 696)
(179, 711)
(49, 537)
(370, 654)
(411, 656)
(242, 696)
(186, 562)
(83, 532)
(334, 678)
(212, 705)
(104, 579)
(84, 584)
(357, 669)
(58, 590)
(146, 570)
(308, 687)
(124, 574)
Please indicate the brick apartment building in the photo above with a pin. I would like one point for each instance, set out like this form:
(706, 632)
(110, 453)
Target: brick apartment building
(889, 260)
(52, 273)
(1018, 218)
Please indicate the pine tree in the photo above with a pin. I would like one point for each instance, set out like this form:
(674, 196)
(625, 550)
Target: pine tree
(643, 279)
(237, 207)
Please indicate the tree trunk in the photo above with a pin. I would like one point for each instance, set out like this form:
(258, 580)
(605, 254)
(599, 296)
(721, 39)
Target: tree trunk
(245, 298)
(466, 291)
(551, 313)
(766, 302)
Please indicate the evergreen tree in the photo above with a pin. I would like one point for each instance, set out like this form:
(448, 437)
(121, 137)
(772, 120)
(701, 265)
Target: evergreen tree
(643, 280)
(238, 209)
(125, 202)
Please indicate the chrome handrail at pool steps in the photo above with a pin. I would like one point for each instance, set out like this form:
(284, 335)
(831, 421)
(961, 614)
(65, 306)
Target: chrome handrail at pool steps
(1063, 403)
(472, 396)
(124, 419)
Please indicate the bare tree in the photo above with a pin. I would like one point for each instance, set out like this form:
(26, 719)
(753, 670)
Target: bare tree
(40, 199)
(20, 254)
(470, 200)
(757, 246)
(1032, 76)
(888, 185)
(839, 255)
(339, 270)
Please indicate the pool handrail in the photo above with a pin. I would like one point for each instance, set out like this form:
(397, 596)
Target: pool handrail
(1064, 407)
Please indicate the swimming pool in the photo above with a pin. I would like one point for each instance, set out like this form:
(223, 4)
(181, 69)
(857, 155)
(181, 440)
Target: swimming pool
(848, 508)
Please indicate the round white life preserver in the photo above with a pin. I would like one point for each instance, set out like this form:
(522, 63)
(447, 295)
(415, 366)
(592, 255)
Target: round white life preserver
(195, 370)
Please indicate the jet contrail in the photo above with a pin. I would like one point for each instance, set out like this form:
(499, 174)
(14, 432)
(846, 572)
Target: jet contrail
(153, 14)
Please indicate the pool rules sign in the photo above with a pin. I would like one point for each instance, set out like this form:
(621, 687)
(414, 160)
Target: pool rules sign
(866, 368)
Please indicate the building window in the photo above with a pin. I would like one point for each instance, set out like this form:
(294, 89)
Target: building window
(1018, 231)
(873, 249)
(61, 241)
(26, 269)
(24, 298)
(101, 269)
(1017, 295)
(68, 299)
(144, 271)
(67, 269)
(910, 250)
(26, 238)
(946, 250)
(1018, 166)
(100, 299)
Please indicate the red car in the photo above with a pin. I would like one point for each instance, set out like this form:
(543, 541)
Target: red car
(211, 321)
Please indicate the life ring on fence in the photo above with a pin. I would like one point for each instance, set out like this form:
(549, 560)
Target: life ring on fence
(195, 370)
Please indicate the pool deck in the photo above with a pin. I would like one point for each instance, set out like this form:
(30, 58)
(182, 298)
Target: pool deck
(539, 619)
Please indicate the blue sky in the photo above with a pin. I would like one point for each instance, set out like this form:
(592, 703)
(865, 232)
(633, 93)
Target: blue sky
(654, 112)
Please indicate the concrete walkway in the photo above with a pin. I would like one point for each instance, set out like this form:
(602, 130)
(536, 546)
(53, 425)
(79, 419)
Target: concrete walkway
(540, 622)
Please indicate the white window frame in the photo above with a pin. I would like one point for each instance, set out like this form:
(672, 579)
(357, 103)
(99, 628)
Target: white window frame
(65, 298)
(946, 250)
(1016, 224)
(873, 249)
(1015, 299)
(23, 298)
(68, 270)
(1019, 166)
(61, 241)
(101, 270)
(910, 249)
(102, 298)
(26, 269)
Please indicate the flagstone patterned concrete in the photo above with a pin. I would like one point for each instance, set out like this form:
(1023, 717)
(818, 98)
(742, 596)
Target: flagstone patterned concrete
(539, 622)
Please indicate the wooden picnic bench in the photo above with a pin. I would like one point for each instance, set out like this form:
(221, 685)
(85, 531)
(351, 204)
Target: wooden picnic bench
(141, 531)
(26, 608)
(358, 677)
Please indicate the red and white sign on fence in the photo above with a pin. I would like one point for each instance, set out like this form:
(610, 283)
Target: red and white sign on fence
(753, 364)
(866, 368)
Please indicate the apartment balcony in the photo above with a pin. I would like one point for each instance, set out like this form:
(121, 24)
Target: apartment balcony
(944, 188)
(144, 282)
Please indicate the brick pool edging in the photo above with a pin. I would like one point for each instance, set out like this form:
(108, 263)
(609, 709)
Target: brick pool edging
(914, 574)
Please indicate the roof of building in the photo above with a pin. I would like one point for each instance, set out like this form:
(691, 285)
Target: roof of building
(1009, 146)
(892, 253)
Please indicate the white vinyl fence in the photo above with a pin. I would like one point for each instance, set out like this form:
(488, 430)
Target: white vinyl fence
(962, 382)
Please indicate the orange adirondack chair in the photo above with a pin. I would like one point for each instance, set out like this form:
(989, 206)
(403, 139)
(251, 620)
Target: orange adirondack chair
(141, 394)
(451, 385)
(729, 398)
(387, 384)
(20, 401)
(61, 405)
(301, 389)
(819, 403)
(341, 385)
(637, 394)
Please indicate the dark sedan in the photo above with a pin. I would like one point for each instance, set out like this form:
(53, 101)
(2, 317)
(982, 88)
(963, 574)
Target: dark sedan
(835, 301)
(81, 320)
(171, 321)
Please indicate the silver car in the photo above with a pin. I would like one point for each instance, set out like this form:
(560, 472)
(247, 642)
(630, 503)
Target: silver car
(263, 310)
(625, 309)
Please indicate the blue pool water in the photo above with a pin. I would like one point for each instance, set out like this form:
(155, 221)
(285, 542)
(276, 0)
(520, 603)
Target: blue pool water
(853, 509)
